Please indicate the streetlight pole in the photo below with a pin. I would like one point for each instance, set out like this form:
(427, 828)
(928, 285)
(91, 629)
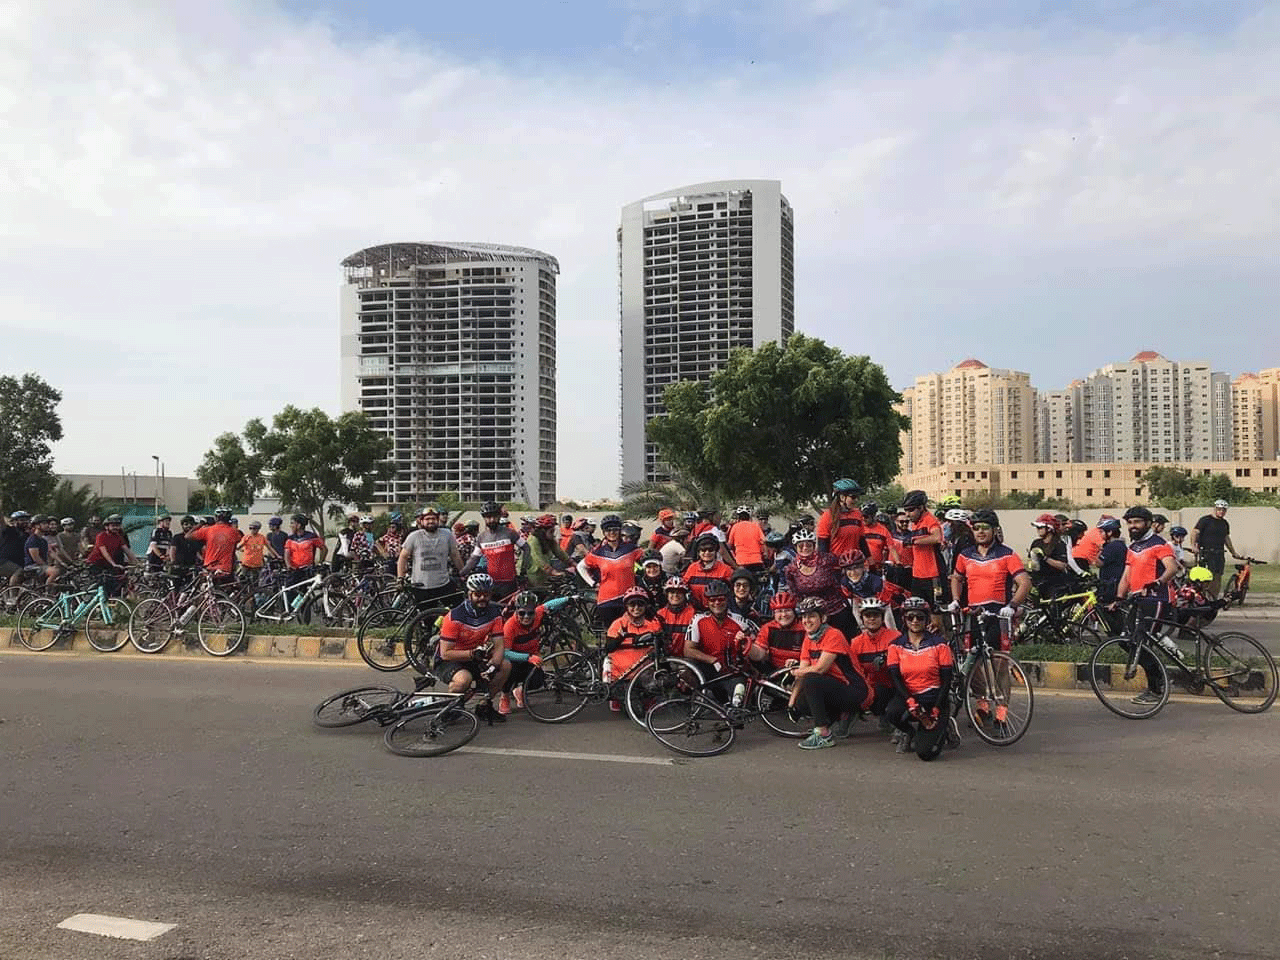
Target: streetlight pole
(155, 500)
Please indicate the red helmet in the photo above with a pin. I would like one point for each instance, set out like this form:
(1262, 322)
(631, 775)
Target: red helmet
(635, 593)
(675, 583)
(1045, 520)
(782, 601)
(545, 522)
(854, 558)
(666, 513)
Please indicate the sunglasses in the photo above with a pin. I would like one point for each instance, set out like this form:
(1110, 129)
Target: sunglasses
(914, 616)
(983, 526)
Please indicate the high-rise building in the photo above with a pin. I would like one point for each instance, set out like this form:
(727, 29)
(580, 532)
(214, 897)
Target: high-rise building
(971, 414)
(702, 270)
(1055, 427)
(1153, 410)
(450, 349)
(1255, 401)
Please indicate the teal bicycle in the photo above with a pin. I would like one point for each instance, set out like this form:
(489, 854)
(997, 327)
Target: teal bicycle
(43, 621)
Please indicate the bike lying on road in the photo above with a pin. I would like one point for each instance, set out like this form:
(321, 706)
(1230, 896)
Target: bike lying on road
(420, 723)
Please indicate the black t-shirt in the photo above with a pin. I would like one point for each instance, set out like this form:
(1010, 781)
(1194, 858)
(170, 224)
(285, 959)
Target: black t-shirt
(277, 538)
(13, 545)
(1049, 579)
(186, 553)
(1111, 562)
(1212, 533)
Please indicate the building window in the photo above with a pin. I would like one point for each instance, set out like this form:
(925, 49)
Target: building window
(1106, 474)
(1040, 476)
(1058, 492)
(1088, 474)
(1106, 491)
(1137, 491)
(1013, 474)
(1058, 475)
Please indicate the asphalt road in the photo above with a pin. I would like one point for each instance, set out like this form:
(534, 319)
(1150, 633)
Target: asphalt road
(198, 793)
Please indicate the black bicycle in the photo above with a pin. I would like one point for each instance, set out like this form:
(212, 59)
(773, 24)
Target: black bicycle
(420, 723)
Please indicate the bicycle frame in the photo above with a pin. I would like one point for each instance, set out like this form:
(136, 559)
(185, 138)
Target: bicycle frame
(289, 601)
(97, 596)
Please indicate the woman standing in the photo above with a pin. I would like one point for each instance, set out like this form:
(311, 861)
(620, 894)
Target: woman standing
(814, 574)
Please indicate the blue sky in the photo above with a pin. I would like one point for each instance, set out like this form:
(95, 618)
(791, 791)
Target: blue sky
(1047, 191)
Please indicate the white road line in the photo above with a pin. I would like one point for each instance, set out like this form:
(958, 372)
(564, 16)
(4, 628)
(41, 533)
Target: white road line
(560, 755)
(122, 928)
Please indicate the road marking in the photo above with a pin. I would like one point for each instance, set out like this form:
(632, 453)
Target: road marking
(122, 928)
(562, 755)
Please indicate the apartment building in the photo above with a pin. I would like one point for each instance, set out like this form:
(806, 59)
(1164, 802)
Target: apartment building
(1255, 409)
(702, 270)
(1055, 440)
(970, 414)
(450, 349)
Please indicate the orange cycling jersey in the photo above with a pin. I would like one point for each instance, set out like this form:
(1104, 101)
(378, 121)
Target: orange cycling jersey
(219, 545)
(717, 638)
(1144, 562)
(300, 549)
(253, 546)
(675, 627)
(924, 559)
(845, 535)
(615, 568)
(524, 637)
(467, 627)
(866, 647)
(875, 541)
(831, 640)
(697, 577)
(746, 541)
(627, 632)
(1090, 546)
(989, 578)
(921, 667)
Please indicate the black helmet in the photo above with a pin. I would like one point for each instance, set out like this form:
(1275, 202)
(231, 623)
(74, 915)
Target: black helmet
(775, 539)
(716, 588)
(742, 573)
(650, 556)
(301, 519)
(1138, 513)
(490, 509)
(707, 540)
(870, 509)
(188, 519)
(1077, 529)
(567, 518)
(708, 511)
(915, 498)
(985, 516)
(526, 601)
(611, 521)
(1159, 518)
(630, 529)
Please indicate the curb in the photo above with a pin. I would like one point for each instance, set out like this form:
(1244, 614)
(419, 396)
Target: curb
(257, 647)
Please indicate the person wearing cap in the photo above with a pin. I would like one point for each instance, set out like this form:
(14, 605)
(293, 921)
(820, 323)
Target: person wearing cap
(426, 557)
(1177, 534)
(160, 544)
(709, 523)
(1210, 540)
(254, 547)
(1047, 559)
(707, 568)
(762, 518)
(662, 533)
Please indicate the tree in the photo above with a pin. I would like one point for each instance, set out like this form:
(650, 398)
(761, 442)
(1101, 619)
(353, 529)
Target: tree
(306, 457)
(29, 425)
(1168, 484)
(79, 503)
(644, 499)
(783, 423)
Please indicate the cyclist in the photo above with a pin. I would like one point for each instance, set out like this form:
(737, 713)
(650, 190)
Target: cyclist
(13, 540)
(502, 549)
(920, 666)
(870, 649)
(991, 577)
(390, 543)
(1212, 536)
(826, 678)
(433, 552)
(342, 554)
(1158, 522)
(875, 537)
(1088, 545)
(742, 597)
(1047, 559)
(899, 573)
(67, 543)
(631, 534)
(362, 551)
(666, 526)
(276, 537)
(716, 636)
(1181, 554)
(254, 548)
(779, 641)
(161, 543)
(959, 534)
(581, 542)
(858, 582)
(673, 552)
(746, 541)
(109, 553)
(707, 569)
(675, 616)
(762, 518)
(814, 574)
(840, 527)
(522, 639)
(611, 567)
(629, 637)
(471, 647)
(652, 578)
(220, 541)
(547, 562)
(1149, 569)
(303, 550)
(37, 549)
(924, 537)
(184, 551)
(709, 524)
(89, 535)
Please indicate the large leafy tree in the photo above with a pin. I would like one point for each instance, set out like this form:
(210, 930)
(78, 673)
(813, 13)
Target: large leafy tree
(783, 423)
(29, 426)
(306, 457)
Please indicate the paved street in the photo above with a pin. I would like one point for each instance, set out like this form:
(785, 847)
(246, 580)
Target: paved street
(198, 793)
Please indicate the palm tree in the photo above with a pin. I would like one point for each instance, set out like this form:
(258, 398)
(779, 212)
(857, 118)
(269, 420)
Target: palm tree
(80, 503)
(645, 499)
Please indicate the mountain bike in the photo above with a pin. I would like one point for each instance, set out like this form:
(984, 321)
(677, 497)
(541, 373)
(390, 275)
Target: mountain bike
(1238, 586)
(1234, 666)
(219, 622)
(43, 621)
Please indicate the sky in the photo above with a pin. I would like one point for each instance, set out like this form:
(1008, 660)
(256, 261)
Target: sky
(1046, 187)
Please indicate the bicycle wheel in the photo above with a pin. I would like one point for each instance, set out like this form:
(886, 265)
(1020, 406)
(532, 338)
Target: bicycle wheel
(420, 638)
(657, 681)
(1083, 634)
(40, 624)
(998, 699)
(432, 731)
(560, 687)
(350, 707)
(1241, 671)
(342, 614)
(108, 630)
(695, 726)
(1232, 590)
(1116, 684)
(772, 707)
(381, 640)
(220, 627)
(151, 625)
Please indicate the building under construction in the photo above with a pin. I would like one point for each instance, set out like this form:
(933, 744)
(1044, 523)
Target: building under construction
(450, 349)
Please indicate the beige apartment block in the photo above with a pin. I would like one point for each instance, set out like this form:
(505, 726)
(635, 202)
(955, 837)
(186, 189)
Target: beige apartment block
(1255, 407)
(1055, 426)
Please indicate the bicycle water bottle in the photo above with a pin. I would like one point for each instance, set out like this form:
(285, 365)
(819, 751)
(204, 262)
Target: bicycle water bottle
(966, 665)
(739, 694)
(1171, 648)
(297, 601)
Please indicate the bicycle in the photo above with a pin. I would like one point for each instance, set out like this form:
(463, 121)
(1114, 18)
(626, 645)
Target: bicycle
(1238, 669)
(989, 686)
(1238, 586)
(419, 723)
(295, 603)
(1068, 618)
(220, 625)
(394, 637)
(43, 621)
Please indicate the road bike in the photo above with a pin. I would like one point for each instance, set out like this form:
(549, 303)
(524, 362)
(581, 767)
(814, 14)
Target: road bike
(219, 622)
(419, 722)
(1069, 618)
(1232, 665)
(1238, 586)
(401, 634)
(989, 686)
(43, 621)
(301, 602)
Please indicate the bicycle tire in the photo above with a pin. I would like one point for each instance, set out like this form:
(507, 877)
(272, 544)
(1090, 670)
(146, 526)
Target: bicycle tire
(151, 625)
(380, 637)
(775, 713)
(432, 731)
(33, 634)
(1222, 667)
(1232, 590)
(561, 686)
(343, 614)
(656, 681)
(1018, 717)
(1117, 699)
(97, 630)
(694, 726)
(421, 640)
(1084, 634)
(220, 618)
(350, 707)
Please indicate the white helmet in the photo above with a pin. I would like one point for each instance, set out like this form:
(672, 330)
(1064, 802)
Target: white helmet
(1220, 504)
(871, 603)
(957, 515)
(804, 536)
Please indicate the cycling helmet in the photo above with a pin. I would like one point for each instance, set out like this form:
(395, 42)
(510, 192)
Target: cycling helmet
(68, 521)
(490, 508)
(1138, 513)
(366, 520)
(716, 588)
(222, 514)
(635, 593)
(854, 558)
(611, 521)
(915, 498)
(949, 501)
(957, 515)
(1178, 531)
(985, 516)
(1159, 518)
(255, 525)
(708, 511)
(1077, 529)
(567, 518)
(782, 600)
(273, 522)
(810, 605)
(690, 518)
(675, 583)
(1199, 574)
(19, 515)
(631, 530)
(37, 519)
(579, 524)
(845, 485)
(916, 605)
(707, 540)
(546, 521)
(804, 536)
(396, 517)
(526, 601)
(473, 526)
(114, 518)
(650, 556)
(742, 573)
(1109, 523)
(526, 523)
(870, 509)
(1220, 504)
(1045, 520)
(870, 604)
(301, 519)
(775, 539)
(742, 510)
(480, 583)
(666, 513)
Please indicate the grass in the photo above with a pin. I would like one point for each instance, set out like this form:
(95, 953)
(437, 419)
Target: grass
(1073, 653)
(1261, 579)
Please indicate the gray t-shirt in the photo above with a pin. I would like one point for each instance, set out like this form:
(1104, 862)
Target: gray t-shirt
(430, 553)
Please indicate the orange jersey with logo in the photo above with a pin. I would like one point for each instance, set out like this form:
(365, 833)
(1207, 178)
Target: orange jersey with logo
(783, 643)
(675, 627)
(875, 541)
(989, 579)
(1144, 561)
(921, 667)
(866, 647)
(524, 637)
(615, 568)
(219, 545)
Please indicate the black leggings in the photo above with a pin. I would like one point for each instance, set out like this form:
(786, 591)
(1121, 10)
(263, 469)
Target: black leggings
(828, 698)
(519, 670)
(900, 715)
(844, 621)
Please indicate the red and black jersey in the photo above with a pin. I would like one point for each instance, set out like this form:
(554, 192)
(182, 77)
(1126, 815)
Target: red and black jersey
(783, 643)
(875, 540)
(524, 637)
(614, 568)
(866, 647)
(697, 577)
(625, 632)
(921, 667)
(843, 536)
(467, 627)
(675, 627)
(829, 640)
(717, 638)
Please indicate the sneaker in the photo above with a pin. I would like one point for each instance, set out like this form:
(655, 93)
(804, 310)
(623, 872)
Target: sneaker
(1002, 714)
(504, 704)
(816, 741)
(1147, 698)
(518, 695)
(903, 743)
(840, 729)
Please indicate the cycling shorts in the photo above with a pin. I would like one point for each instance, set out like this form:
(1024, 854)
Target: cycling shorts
(446, 670)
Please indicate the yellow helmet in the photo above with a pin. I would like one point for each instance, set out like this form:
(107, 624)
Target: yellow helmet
(1199, 575)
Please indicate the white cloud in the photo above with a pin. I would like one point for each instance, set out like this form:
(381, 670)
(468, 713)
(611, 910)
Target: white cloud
(179, 183)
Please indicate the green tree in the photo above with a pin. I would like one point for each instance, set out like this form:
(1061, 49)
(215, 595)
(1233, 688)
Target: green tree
(644, 499)
(230, 472)
(67, 500)
(1168, 485)
(783, 423)
(200, 500)
(29, 426)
